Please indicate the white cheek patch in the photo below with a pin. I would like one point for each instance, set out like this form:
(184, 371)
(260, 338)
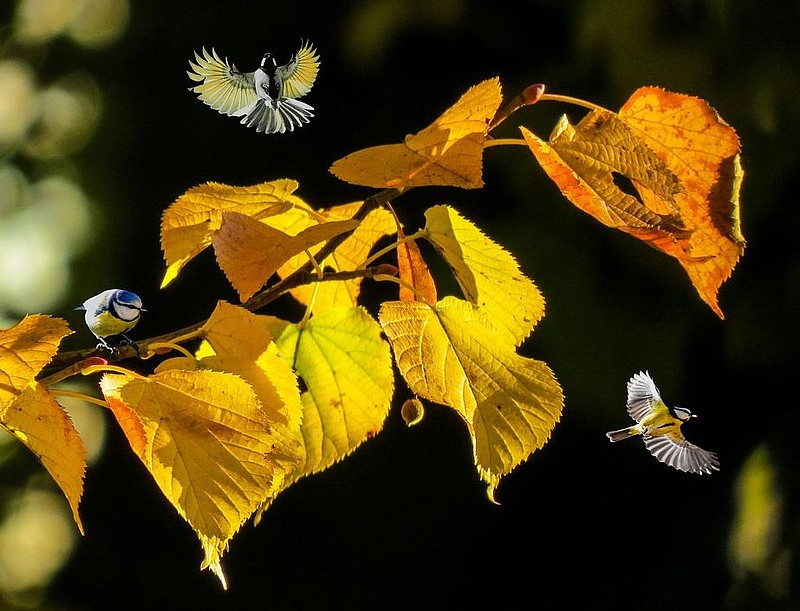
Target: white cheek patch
(126, 313)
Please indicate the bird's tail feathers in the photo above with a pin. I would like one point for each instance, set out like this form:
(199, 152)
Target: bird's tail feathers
(622, 434)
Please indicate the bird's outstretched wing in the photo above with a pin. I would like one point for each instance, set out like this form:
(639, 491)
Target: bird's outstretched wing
(222, 86)
(678, 453)
(642, 394)
(300, 72)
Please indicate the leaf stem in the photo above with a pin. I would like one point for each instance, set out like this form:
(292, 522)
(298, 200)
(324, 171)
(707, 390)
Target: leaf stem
(504, 141)
(392, 246)
(73, 394)
(555, 97)
(153, 348)
(404, 284)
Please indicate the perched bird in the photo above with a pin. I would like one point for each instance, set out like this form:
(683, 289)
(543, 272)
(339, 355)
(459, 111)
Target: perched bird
(265, 99)
(660, 427)
(112, 312)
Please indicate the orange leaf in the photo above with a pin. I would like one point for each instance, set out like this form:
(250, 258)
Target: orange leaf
(350, 254)
(189, 224)
(704, 152)
(249, 251)
(415, 272)
(682, 161)
(448, 152)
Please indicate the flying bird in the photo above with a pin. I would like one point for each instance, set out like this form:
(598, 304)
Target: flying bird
(660, 427)
(111, 313)
(265, 99)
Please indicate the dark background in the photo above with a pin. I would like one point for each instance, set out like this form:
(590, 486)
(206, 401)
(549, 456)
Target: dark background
(405, 523)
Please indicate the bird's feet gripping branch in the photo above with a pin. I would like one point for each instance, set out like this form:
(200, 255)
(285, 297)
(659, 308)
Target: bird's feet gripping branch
(111, 314)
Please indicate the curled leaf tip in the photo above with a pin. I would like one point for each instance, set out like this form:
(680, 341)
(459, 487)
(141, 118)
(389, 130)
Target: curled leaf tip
(216, 568)
(490, 490)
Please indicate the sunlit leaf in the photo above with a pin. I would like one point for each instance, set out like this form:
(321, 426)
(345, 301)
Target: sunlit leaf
(350, 255)
(30, 412)
(488, 275)
(40, 423)
(241, 342)
(681, 162)
(25, 349)
(249, 251)
(704, 152)
(207, 443)
(448, 152)
(451, 355)
(347, 369)
(189, 224)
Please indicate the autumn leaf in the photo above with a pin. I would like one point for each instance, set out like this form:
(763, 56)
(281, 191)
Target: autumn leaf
(704, 152)
(348, 256)
(207, 443)
(189, 224)
(451, 355)
(414, 272)
(347, 369)
(249, 251)
(29, 411)
(242, 343)
(682, 161)
(449, 152)
(488, 275)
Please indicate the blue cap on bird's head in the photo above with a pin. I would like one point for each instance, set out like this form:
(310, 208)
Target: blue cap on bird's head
(128, 298)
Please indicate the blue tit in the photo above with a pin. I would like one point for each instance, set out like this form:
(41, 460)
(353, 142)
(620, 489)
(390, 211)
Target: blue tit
(265, 99)
(112, 312)
(660, 427)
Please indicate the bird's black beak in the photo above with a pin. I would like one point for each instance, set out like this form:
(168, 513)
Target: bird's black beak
(80, 307)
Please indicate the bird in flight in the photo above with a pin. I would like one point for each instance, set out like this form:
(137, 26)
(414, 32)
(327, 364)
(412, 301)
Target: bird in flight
(660, 427)
(267, 98)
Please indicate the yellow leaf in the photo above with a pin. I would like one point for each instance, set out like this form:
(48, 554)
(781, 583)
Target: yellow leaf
(249, 251)
(347, 369)
(242, 343)
(205, 439)
(189, 224)
(40, 423)
(451, 355)
(26, 348)
(448, 152)
(683, 162)
(488, 275)
(350, 254)
(31, 413)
